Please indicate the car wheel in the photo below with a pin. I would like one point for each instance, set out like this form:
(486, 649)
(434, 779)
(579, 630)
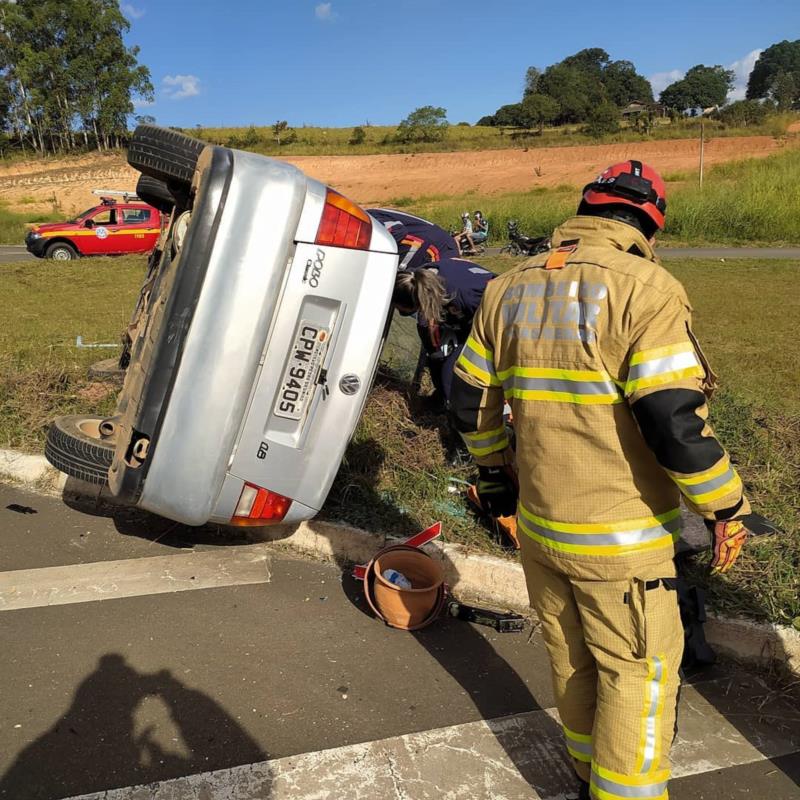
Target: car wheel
(61, 251)
(164, 154)
(75, 446)
(106, 370)
(155, 193)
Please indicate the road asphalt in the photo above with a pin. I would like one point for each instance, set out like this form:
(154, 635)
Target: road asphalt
(197, 664)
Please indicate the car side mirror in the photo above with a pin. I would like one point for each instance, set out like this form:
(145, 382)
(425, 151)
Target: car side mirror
(89, 223)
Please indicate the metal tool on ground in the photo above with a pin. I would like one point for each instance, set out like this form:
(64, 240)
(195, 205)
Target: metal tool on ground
(502, 621)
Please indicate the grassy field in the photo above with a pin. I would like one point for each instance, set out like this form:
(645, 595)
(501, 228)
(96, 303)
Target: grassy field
(395, 477)
(13, 226)
(750, 201)
(381, 138)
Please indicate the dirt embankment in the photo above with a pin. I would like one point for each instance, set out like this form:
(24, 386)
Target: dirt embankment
(34, 186)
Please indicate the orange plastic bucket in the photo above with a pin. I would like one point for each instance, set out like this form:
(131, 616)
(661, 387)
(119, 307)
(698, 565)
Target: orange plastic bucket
(407, 609)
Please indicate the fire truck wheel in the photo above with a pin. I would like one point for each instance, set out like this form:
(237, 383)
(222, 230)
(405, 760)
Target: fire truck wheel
(61, 251)
(155, 193)
(164, 154)
(74, 445)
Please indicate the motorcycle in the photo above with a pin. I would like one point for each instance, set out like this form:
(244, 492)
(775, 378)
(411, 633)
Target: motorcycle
(521, 245)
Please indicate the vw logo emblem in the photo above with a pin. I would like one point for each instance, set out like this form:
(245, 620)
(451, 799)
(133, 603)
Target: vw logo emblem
(349, 384)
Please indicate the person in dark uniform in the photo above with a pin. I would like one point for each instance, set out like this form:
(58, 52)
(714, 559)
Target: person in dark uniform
(419, 241)
(445, 296)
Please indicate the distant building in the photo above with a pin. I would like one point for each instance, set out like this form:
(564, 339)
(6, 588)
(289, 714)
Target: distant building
(637, 107)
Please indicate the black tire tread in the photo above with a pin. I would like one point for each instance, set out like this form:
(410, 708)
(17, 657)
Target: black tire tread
(53, 245)
(155, 193)
(164, 154)
(70, 450)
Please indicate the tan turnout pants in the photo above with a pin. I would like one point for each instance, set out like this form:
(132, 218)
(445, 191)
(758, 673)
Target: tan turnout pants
(615, 649)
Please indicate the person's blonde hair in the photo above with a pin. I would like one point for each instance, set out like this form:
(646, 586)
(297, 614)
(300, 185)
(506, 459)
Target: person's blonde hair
(427, 290)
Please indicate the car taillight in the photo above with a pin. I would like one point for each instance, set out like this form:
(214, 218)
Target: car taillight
(259, 506)
(344, 224)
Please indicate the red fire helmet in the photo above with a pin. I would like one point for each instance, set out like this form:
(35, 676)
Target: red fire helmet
(630, 183)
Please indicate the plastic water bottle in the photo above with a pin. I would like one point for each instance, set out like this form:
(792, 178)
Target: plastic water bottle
(397, 578)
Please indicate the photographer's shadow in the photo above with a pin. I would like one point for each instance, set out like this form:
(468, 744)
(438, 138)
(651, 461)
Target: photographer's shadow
(106, 737)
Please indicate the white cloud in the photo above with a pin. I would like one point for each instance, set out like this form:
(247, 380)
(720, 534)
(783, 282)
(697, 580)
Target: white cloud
(179, 86)
(324, 12)
(661, 80)
(130, 10)
(742, 69)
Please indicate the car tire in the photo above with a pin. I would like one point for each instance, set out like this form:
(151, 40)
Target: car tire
(155, 193)
(164, 154)
(74, 446)
(61, 251)
(106, 370)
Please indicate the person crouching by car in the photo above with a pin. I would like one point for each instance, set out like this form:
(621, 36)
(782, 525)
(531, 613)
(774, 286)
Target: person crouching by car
(444, 295)
(419, 241)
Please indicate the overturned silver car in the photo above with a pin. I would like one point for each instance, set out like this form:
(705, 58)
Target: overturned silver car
(253, 345)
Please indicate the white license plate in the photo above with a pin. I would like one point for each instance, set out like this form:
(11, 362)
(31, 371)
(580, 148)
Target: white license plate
(302, 370)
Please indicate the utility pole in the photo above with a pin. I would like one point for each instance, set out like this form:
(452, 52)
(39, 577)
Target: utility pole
(702, 150)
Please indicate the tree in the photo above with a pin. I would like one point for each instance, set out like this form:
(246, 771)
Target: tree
(532, 75)
(539, 110)
(425, 124)
(783, 57)
(358, 136)
(624, 85)
(280, 127)
(743, 113)
(603, 119)
(576, 91)
(702, 87)
(578, 85)
(785, 90)
(510, 115)
(591, 61)
(69, 71)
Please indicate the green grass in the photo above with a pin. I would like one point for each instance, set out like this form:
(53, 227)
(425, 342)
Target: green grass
(742, 202)
(13, 225)
(380, 138)
(44, 308)
(395, 478)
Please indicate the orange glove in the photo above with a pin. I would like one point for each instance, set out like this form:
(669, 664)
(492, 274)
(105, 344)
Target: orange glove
(729, 538)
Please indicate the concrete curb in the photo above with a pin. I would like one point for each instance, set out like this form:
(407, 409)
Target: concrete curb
(472, 576)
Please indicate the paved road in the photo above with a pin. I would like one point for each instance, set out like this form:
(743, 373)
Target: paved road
(11, 252)
(194, 665)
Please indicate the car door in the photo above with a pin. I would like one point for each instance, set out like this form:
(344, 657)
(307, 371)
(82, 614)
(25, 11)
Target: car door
(102, 232)
(139, 229)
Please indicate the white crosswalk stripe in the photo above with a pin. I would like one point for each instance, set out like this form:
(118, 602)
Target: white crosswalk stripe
(134, 577)
(520, 757)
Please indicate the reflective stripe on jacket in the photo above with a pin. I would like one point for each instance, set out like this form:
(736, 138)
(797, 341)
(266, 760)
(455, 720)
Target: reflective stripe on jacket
(606, 382)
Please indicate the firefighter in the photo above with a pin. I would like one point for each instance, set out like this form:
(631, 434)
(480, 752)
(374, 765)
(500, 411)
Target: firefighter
(593, 347)
(419, 242)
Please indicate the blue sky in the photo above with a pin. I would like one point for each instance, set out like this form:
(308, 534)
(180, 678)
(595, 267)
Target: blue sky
(345, 62)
